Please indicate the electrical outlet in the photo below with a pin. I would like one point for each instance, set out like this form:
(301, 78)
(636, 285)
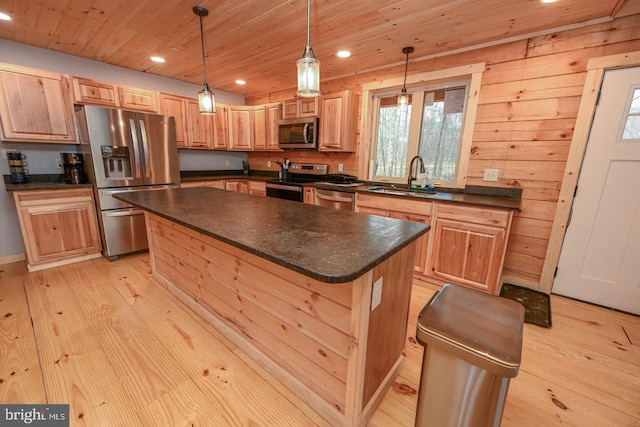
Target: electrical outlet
(340, 167)
(58, 164)
(376, 294)
(268, 163)
(227, 162)
(491, 174)
(4, 153)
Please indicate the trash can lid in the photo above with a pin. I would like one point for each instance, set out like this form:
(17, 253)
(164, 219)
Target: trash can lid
(483, 329)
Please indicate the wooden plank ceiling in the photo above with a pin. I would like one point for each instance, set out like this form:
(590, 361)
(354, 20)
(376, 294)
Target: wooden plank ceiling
(260, 40)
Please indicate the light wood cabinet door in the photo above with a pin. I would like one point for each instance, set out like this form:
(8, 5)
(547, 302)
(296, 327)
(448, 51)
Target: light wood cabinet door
(265, 127)
(221, 128)
(301, 107)
(91, 92)
(309, 195)
(239, 185)
(259, 128)
(423, 242)
(138, 99)
(258, 188)
(199, 126)
(35, 106)
(58, 226)
(171, 105)
(240, 128)
(468, 246)
(338, 123)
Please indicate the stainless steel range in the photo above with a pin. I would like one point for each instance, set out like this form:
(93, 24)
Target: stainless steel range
(327, 194)
(299, 173)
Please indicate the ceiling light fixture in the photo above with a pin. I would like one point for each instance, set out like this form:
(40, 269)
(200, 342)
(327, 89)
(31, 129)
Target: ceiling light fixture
(343, 54)
(4, 17)
(308, 66)
(157, 59)
(241, 82)
(403, 99)
(206, 98)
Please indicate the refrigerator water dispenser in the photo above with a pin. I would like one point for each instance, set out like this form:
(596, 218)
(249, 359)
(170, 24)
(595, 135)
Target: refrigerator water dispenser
(117, 162)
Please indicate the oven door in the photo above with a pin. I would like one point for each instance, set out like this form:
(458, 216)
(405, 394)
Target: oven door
(285, 191)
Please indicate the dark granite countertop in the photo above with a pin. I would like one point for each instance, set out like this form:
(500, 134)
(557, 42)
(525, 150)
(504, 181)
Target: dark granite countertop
(188, 176)
(41, 182)
(332, 246)
(491, 197)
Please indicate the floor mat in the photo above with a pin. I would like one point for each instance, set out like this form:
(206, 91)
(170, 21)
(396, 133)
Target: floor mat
(537, 305)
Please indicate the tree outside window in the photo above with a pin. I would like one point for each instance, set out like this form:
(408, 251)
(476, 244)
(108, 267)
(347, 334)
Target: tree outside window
(434, 134)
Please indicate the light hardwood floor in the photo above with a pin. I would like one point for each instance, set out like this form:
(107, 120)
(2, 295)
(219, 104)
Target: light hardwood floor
(122, 351)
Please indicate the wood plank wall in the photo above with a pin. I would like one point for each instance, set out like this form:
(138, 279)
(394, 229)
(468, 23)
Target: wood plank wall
(529, 99)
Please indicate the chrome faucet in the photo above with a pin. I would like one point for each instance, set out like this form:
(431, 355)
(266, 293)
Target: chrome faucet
(411, 168)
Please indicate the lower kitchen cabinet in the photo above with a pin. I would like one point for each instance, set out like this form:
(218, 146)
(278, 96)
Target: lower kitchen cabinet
(407, 209)
(468, 246)
(58, 227)
(309, 195)
(239, 185)
(258, 188)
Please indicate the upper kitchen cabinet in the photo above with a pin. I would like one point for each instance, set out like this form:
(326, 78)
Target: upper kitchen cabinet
(265, 127)
(171, 105)
(240, 128)
(91, 92)
(339, 122)
(301, 107)
(35, 106)
(221, 128)
(133, 98)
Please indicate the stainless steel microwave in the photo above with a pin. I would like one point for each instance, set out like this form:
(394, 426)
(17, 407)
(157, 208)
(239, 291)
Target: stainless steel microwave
(298, 134)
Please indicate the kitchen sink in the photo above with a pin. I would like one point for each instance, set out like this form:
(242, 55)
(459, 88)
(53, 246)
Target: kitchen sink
(401, 192)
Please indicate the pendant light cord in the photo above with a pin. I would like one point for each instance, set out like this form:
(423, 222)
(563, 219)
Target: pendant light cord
(308, 23)
(406, 65)
(204, 62)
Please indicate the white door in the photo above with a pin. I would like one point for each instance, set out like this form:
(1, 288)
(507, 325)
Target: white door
(600, 257)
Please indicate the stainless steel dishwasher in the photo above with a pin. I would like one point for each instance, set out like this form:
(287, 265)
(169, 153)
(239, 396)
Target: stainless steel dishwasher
(334, 199)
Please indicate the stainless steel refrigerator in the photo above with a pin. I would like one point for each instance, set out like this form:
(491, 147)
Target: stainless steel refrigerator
(126, 151)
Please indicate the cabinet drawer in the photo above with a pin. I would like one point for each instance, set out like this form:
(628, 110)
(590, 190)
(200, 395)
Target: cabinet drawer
(473, 215)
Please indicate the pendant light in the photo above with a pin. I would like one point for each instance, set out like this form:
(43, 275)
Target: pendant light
(206, 98)
(308, 66)
(403, 99)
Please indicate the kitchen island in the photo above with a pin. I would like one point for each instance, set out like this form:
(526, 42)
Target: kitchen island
(319, 297)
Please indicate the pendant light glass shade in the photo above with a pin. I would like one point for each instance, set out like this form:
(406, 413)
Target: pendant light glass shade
(206, 99)
(403, 99)
(308, 66)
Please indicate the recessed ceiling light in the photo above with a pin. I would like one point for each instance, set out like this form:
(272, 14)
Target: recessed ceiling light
(241, 82)
(157, 59)
(548, 1)
(343, 54)
(4, 17)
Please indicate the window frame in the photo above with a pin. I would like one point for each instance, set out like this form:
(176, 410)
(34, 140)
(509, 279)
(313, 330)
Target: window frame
(370, 92)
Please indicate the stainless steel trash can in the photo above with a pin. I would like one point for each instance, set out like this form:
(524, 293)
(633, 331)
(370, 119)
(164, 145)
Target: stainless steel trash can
(473, 345)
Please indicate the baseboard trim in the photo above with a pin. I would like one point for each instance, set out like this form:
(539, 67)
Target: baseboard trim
(7, 259)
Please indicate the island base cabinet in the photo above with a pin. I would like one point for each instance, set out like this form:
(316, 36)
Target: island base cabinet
(321, 340)
(58, 227)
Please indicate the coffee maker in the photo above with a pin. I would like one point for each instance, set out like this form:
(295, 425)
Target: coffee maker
(73, 164)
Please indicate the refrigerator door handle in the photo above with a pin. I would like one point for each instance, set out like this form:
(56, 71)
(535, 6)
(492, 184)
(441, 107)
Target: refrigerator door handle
(145, 149)
(136, 149)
